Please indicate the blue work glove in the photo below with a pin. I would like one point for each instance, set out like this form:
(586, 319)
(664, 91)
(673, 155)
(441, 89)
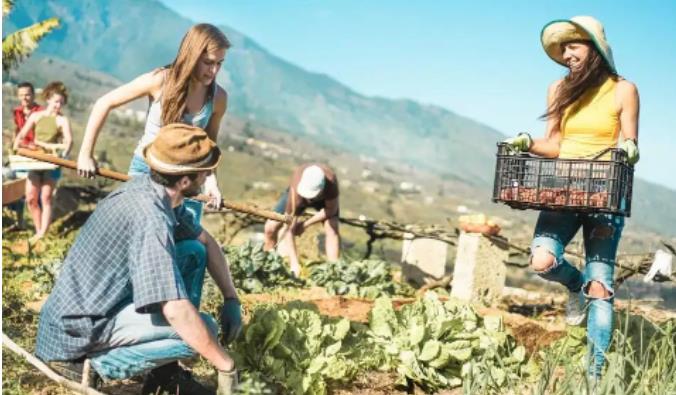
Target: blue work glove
(231, 320)
(629, 146)
(522, 142)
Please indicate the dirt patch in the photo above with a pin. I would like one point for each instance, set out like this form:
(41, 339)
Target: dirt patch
(534, 337)
(371, 383)
(352, 309)
(334, 306)
(382, 383)
(532, 334)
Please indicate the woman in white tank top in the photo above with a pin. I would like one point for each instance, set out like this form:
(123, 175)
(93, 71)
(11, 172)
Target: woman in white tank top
(185, 91)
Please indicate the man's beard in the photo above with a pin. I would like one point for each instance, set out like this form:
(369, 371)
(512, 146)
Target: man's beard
(193, 191)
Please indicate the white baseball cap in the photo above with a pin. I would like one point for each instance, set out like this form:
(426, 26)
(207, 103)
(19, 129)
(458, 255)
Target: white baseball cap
(311, 182)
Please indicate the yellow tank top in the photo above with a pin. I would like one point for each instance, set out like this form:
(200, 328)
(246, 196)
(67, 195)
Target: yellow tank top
(591, 124)
(46, 130)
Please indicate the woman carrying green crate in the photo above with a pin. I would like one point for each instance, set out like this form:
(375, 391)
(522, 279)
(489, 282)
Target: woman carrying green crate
(587, 111)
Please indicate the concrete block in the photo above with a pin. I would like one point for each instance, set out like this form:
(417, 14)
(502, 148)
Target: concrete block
(479, 273)
(423, 258)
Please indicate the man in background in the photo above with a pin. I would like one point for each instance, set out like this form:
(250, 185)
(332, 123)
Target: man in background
(27, 105)
(311, 185)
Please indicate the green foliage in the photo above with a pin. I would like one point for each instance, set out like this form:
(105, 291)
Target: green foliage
(572, 347)
(45, 274)
(254, 270)
(439, 345)
(641, 360)
(20, 44)
(296, 348)
(7, 7)
(369, 278)
(251, 383)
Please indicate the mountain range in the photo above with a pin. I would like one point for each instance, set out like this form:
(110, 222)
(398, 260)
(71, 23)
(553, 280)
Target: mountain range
(125, 38)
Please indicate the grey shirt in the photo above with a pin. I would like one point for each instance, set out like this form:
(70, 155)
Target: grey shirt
(124, 254)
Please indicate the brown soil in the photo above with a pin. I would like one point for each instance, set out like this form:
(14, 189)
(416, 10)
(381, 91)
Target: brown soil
(381, 383)
(371, 383)
(20, 247)
(333, 306)
(531, 333)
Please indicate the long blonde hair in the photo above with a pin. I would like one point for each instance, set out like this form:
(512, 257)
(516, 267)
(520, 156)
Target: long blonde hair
(199, 39)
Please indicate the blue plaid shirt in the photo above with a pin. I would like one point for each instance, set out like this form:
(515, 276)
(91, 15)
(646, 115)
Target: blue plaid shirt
(124, 254)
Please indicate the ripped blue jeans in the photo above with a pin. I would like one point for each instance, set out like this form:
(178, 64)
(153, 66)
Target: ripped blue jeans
(601, 232)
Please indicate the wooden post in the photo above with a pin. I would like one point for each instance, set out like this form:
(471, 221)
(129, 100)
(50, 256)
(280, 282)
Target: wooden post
(479, 273)
(13, 190)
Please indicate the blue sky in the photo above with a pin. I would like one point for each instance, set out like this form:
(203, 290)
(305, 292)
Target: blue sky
(481, 59)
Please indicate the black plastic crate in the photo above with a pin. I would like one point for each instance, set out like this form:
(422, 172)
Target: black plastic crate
(584, 185)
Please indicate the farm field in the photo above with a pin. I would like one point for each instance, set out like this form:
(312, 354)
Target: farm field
(388, 338)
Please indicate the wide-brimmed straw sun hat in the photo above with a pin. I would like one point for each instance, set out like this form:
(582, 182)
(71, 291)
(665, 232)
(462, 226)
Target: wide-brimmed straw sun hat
(587, 28)
(181, 149)
(311, 182)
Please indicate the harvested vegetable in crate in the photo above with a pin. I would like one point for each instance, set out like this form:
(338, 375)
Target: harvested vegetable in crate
(586, 185)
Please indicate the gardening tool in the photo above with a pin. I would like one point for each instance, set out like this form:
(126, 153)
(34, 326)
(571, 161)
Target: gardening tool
(234, 206)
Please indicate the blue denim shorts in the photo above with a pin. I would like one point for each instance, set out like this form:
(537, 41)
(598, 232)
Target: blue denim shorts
(44, 175)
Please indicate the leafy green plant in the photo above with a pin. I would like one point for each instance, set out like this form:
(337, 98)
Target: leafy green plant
(251, 383)
(368, 278)
(45, 274)
(439, 345)
(296, 348)
(254, 270)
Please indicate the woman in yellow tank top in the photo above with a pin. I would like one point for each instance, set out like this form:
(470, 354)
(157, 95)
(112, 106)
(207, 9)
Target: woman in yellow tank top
(52, 135)
(587, 112)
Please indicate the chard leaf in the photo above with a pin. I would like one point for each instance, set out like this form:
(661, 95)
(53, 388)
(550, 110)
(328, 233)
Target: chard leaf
(333, 349)
(493, 323)
(519, 354)
(382, 317)
(430, 350)
(461, 354)
(342, 328)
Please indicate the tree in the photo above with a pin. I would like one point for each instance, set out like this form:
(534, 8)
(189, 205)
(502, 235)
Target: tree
(20, 44)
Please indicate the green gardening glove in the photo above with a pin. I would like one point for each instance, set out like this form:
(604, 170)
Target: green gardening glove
(231, 319)
(629, 146)
(521, 143)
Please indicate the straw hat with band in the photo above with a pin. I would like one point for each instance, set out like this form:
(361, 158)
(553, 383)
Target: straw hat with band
(586, 28)
(181, 149)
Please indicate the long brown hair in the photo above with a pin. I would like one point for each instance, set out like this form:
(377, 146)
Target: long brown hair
(592, 74)
(199, 39)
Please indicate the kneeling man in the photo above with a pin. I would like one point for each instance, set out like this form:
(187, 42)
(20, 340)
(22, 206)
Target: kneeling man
(128, 294)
